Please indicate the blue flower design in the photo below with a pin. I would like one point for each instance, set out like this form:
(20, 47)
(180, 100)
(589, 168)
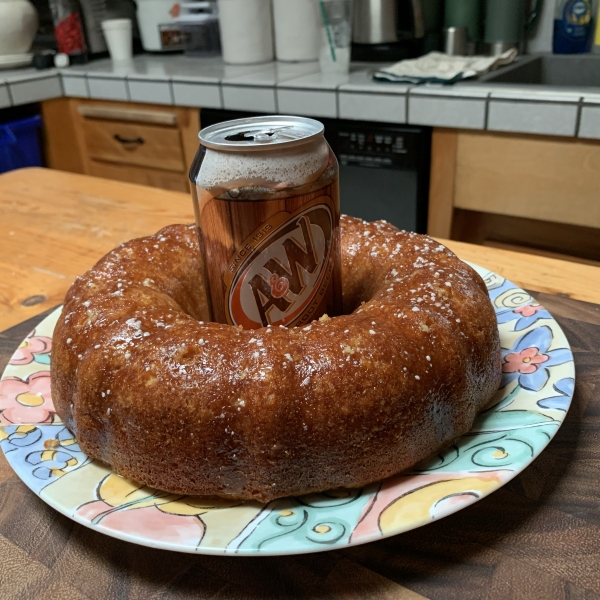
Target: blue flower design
(565, 388)
(528, 360)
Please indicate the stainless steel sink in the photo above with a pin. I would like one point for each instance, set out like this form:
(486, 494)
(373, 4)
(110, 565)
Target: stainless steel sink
(550, 70)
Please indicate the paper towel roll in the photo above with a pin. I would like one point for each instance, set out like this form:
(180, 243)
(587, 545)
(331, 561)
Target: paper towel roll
(246, 31)
(296, 29)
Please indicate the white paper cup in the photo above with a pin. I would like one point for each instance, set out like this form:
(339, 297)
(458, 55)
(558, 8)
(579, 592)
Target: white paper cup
(117, 33)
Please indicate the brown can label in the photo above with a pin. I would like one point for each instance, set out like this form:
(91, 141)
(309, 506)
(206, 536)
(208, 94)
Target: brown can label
(281, 272)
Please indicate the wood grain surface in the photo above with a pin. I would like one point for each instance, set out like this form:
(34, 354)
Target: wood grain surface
(444, 144)
(537, 177)
(56, 225)
(142, 144)
(536, 538)
(78, 137)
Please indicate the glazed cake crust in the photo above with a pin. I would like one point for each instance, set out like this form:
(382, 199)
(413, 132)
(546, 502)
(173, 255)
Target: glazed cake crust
(171, 400)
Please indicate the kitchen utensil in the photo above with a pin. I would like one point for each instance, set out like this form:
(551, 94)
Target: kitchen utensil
(118, 39)
(246, 31)
(456, 41)
(505, 23)
(465, 13)
(375, 22)
(296, 29)
(336, 35)
(388, 29)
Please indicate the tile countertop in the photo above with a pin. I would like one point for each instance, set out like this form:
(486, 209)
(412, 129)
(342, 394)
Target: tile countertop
(300, 88)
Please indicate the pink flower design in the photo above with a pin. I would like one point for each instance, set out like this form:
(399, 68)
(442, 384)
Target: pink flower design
(29, 347)
(526, 361)
(529, 310)
(26, 401)
(146, 522)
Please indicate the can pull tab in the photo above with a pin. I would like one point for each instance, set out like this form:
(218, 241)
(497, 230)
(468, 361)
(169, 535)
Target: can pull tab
(258, 135)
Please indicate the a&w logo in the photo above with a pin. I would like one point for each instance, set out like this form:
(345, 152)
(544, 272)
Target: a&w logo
(283, 277)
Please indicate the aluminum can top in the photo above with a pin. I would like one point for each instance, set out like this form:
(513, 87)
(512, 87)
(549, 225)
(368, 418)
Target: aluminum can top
(257, 134)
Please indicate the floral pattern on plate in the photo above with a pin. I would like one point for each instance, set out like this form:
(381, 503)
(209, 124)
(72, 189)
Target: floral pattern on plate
(535, 393)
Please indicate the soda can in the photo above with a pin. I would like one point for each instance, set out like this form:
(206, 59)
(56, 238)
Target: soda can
(266, 200)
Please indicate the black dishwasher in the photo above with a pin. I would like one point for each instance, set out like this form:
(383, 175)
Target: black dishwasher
(384, 167)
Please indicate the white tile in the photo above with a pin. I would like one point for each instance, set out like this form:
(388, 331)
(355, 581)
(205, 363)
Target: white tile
(153, 92)
(543, 118)
(108, 89)
(449, 91)
(438, 111)
(372, 107)
(4, 97)
(591, 98)
(36, 90)
(26, 74)
(197, 94)
(75, 87)
(105, 69)
(310, 103)
(547, 94)
(273, 73)
(256, 99)
(589, 125)
(318, 81)
(360, 80)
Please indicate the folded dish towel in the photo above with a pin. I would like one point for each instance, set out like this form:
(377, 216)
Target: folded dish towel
(437, 67)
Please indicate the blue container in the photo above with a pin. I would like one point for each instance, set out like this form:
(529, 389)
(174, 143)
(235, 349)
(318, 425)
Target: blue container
(572, 27)
(19, 144)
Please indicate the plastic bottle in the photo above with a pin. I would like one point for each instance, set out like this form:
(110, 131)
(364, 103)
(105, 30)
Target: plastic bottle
(572, 26)
(596, 44)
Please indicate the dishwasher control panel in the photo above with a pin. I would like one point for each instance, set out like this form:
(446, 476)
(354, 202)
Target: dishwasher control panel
(387, 148)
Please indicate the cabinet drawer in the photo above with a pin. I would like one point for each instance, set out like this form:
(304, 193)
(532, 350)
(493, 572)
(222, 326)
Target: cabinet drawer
(134, 144)
(167, 180)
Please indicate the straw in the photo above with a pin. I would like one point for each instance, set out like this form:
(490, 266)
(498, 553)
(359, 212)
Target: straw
(328, 30)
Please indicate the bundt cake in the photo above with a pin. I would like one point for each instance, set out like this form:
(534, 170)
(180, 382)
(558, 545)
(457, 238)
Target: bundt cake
(194, 407)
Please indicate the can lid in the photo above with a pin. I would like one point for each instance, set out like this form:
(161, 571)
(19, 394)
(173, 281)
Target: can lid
(260, 133)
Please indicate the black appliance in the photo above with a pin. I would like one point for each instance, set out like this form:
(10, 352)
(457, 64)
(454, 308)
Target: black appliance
(384, 167)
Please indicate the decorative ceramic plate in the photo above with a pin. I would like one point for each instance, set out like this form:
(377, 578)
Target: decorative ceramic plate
(535, 393)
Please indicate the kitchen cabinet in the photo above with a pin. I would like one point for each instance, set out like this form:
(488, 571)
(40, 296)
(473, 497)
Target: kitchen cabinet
(138, 143)
(535, 193)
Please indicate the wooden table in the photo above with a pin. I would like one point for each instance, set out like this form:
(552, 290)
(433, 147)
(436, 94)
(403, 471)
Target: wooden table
(537, 537)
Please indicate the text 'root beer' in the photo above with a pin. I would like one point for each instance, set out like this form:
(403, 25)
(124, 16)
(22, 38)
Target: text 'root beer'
(266, 198)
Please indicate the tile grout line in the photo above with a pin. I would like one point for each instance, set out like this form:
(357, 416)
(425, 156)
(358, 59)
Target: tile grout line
(579, 116)
(486, 114)
(10, 95)
(171, 92)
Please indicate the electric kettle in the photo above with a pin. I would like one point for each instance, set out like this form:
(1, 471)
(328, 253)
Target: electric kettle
(386, 30)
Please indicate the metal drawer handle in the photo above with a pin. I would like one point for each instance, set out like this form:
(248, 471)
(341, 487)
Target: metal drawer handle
(126, 141)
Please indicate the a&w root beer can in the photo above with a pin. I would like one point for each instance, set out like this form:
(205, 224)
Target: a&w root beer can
(266, 198)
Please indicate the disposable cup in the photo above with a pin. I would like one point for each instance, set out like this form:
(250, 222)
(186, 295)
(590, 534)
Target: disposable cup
(117, 33)
(336, 35)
